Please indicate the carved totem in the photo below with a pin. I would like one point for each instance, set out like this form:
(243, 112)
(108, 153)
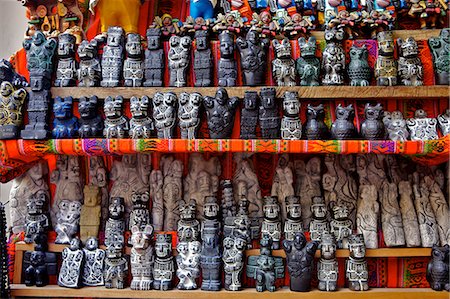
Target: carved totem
(327, 266)
(141, 125)
(66, 72)
(356, 269)
(391, 219)
(164, 266)
(333, 58)
(343, 127)
(227, 69)
(283, 66)
(154, 59)
(440, 51)
(90, 69)
(179, 59)
(189, 114)
(315, 127)
(367, 215)
(310, 187)
(282, 184)
(269, 119)
(308, 64)
(291, 125)
(422, 127)
(233, 261)
(409, 216)
(65, 124)
(140, 215)
(440, 208)
(94, 263)
(141, 258)
(249, 115)
(91, 122)
(203, 60)
(386, 65)
(220, 112)
(112, 59)
(359, 70)
(253, 58)
(68, 220)
(228, 205)
(11, 106)
(165, 114)
(36, 221)
(72, 265)
(133, 67)
(410, 69)
(341, 225)
(116, 124)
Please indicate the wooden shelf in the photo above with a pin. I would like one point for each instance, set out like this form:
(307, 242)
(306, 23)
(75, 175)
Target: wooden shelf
(20, 290)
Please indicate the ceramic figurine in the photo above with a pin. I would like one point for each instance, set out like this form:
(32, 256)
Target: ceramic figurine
(233, 261)
(141, 125)
(315, 127)
(422, 127)
(319, 224)
(203, 60)
(300, 258)
(444, 122)
(11, 103)
(227, 69)
(386, 65)
(440, 50)
(396, 127)
(141, 258)
(333, 58)
(8, 73)
(72, 265)
(308, 65)
(179, 58)
(112, 58)
(116, 124)
(293, 222)
(265, 268)
(90, 69)
(269, 119)
(188, 262)
(282, 184)
(253, 58)
(283, 66)
(36, 273)
(165, 114)
(239, 226)
(140, 215)
(211, 254)
(228, 205)
(367, 215)
(372, 128)
(154, 59)
(68, 220)
(220, 111)
(188, 226)
(359, 71)
(409, 216)
(343, 127)
(291, 125)
(356, 269)
(188, 114)
(271, 225)
(115, 225)
(94, 262)
(437, 268)
(410, 69)
(91, 122)
(66, 72)
(164, 266)
(249, 115)
(327, 266)
(65, 125)
(133, 67)
(36, 221)
(341, 225)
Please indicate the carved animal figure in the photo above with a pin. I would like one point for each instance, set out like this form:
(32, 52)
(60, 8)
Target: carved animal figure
(359, 70)
(116, 124)
(410, 69)
(372, 128)
(90, 69)
(283, 66)
(141, 125)
(343, 127)
(315, 127)
(438, 269)
(91, 122)
(308, 65)
(65, 125)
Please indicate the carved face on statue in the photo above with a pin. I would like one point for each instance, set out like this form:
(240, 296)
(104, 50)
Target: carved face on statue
(114, 246)
(226, 45)
(294, 209)
(115, 36)
(87, 107)
(91, 243)
(291, 104)
(299, 240)
(201, 39)
(385, 43)
(341, 212)
(113, 107)
(374, 112)
(356, 246)
(271, 207)
(210, 208)
(66, 45)
(133, 46)
(141, 239)
(328, 246)
(187, 211)
(62, 108)
(35, 204)
(116, 208)
(37, 258)
(163, 246)
(318, 208)
(75, 244)
(153, 38)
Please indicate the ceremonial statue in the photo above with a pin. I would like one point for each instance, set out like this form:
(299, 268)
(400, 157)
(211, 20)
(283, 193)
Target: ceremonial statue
(356, 266)
(372, 128)
(396, 126)
(68, 220)
(253, 58)
(271, 225)
(319, 224)
(249, 115)
(94, 262)
(291, 125)
(367, 215)
(179, 58)
(444, 122)
(141, 258)
(112, 59)
(269, 119)
(72, 265)
(228, 204)
(341, 225)
(203, 60)
(115, 225)
(343, 127)
(440, 50)
(315, 127)
(220, 112)
(90, 69)
(238, 227)
(188, 261)
(386, 65)
(359, 70)
(91, 122)
(422, 127)
(391, 218)
(65, 124)
(133, 68)
(437, 268)
(116, 124)
(188, 226)
(233, 260)
(410, 69)
(36, 221)
(308, 64)
(140, 215)
(154, 59)
(66, 72)
(165, 114)
(327, 266)
(283, 66)
(11, 115)
(164, 266)
(333, 57)
(293, 222)
(189, 114)
(226, 68)
(36, 273)
(141, 125)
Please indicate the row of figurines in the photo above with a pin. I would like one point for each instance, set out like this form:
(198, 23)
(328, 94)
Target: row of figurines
(168, 111)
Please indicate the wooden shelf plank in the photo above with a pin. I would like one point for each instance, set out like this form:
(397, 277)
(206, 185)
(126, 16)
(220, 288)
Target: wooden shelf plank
(20, 290)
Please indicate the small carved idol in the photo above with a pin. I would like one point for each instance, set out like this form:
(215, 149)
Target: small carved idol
(228, 205)
(11, 103)
(227, 69)
(422, 127)
(188, 114)
(333, 58)
(157, 196)
(396, 127)
(239, 226)
(291, 125)
(293, 223)
(410, 69)
(188, 262)
(65, 125)
(271, 225)
(68, 219)
(356, 266)
(386, 65)
(372, 128)
(444, 122)
(203, 61)
(141, 258)
(437, 268)
(220, 111)
(440, 50)
(341, 225)
(36, 221)
(269, 119)
(133, 68)
(283, 66)
(165, 114)
(94, 262)
(141, 125)
(327, 266)
(343, 127)
(253, 58)
(115, 225)
(116, 124)
(309, 187)
(179, 58)
(90, 70)
(233, 260)
(140, 215)
(319, 224)
(164, 266)
(249, 115)
(72, 265)
(367, 215)
(154, 58)
(359, 70)
(188, 226)
(440, 208)
(315, 127)
(308, 65)
(66, 72)
(91, 122)
(38, 118)
(112, 59)
(36, 273)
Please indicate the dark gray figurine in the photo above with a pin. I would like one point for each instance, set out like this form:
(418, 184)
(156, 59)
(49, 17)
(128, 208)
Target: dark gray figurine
(372, 128)
(410, 69)
(165, 114)
(36, 273)
(141, 125)
(343, 127)
(90, 71)
(356, 265)
(66, 72)
(437, 268)
(220, 112)
(227, 203)
(164, 266)
(65, 124)
(203, 60)
(140, 215)
(189, 114)
(227, 70)
(333, 57)
(315, 127)
(440, 49)
(327, 267)
(293, 223)
(8, 73)
(269, 118)
(188, 227)
(91, 122)
(154, 59)
(233, 259)
(253, 53)
(179, 59)
(249, 115)
(116, 124)
(271, 225)
(359, 71)
(70, 273)
(36, 220)
(291, 125)
(133, 68)
(308, 65)
(112, 59)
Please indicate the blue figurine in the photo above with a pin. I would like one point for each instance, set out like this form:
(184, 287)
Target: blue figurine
(202, 8)
(65, 125)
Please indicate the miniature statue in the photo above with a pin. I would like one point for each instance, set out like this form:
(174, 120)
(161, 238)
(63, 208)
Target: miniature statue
(133, 68)
(164, 266)
(141, 259)
(343, 127)
(97, 177)
(36, 273)
(440, 50)
(269, 119)
(141, 125)
(291, 125)
(154, 59)
(293, 222)
(308, 65)
(179, 59)
(165, 114)
(367, 215)
(265, 268)
(115, 225)
(282, 184)
(422, 127)
(188, 226)
(341, 225)
(188, 261)
(300, 258)
(386, 65)
(203, 60)
(202, 8)
(91, 122)
(253, 58)
(140, 215)
(72, 265)
(283, 66)
(156, 194)
(116, 124)
(327, 266)
(356, 269)
(396, 127)
(333, 57)
(8, 73)
(36, 221)
(271, 226)
(315, 127)
(228, 205)
(112, 58)
(123, 13)
(390, 216)
(437, 268)
(409, 216)
(93, 266)
(249, 115)
(359, 70)
(410, 69)
(227, 69)
(89, 73)
(68, 220)
(65, 125)
(38, 118)
(233, 260)
(319, 224)
(11, 115)
(220, 111)
(188, 114)
(372, 128)
(444, 122)
(66, 72)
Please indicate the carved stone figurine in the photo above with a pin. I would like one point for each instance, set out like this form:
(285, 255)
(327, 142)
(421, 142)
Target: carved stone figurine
(300, 258)
(94, 262)
(188, 261)
(227, 69)
(68, 219)
(422, 127)
(116, 124)
(271, 225)
(440, 50)
(233, 260)
(141, 125)
(283, 184)
(386, 65)
(293, 223)
(343, 127)
(356, 266)
(341, 225)
(164, 266)
(359, 70)
(203, 60)
(36, 221)
(112, 59)
(72, 265)
(115, 225)
(253, 58)
(409, 216)
(165, 114)
(189, 114)
(410, 69)
(327, 266)
(220, 112)
(66, 72)
(11, 115)
(227, 203)
(188, 226)
(396, 127)
(319, 224)
(283, 66)
(154, 58)
(179, 58)
(141, 258)
(90, 71)
(91, 122)
(372, 128)
(315, 127)
(291, 125)
(36, 273)
(269, 119)
(65, 125)
(333, 57)
(444, 122)
(437, 268)
(140, 215)
(391, 218)
(367, 215)
(133, 68)
(249, 115)
(308, 65)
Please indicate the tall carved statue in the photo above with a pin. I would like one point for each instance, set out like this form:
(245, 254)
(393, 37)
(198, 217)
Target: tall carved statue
(179, 58)
(66, 72)
(249, 115)
(282, 185)
(11, 106)
(271, 225)
(65, 124)
(409, 216)
(440, 51)
(440, 209)
(90, 69)
(98, 177)
(189, 114)
(359, 70)
(172, 190)
(220, 112)
(133, 68)
(233, 260)
(410, 69)
(188, 227)
(71, 265)
(293, 222)
(283, 66)
(291, 125)
(140, 215)
(227, 69)
(91, 212)
(36, 219)
(319, 223)
(203, 60)
(164, 266)
(269, 118)
(116, 123)
(327, 267)
(367, 215)
(343, 127)
(438, 269)
(165, 114)
(386, 65)
(341, 225)
(308, 65)
(370, 169)
(156, 194)
(396, 127)
(142, 258)
(253, 57)
(391, 219)
(333, 59)
(356, 266)
(93, 267)
(112, 59)
(154, 59)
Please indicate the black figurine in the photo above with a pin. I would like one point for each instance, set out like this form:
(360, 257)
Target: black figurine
(372, 128)
(154, 59)
(249, 115)
(308, 65)
(253, 58)
(133, 68)
(440, 49)
(343, 127)
(226, 70)
(333, 58)
(36, 273)
(359, 70)
(315, 127)
(66, 72)
(112, 59)
(438, 268)
(65, 125)
(300, 258)
(8, 73)
(141, 125)
(203, 61)
(220, 112)
(269, 118)
(90, 71)
(116, 124)
(271, 225)
(164, 266)
(91, 122)
(188, 114)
